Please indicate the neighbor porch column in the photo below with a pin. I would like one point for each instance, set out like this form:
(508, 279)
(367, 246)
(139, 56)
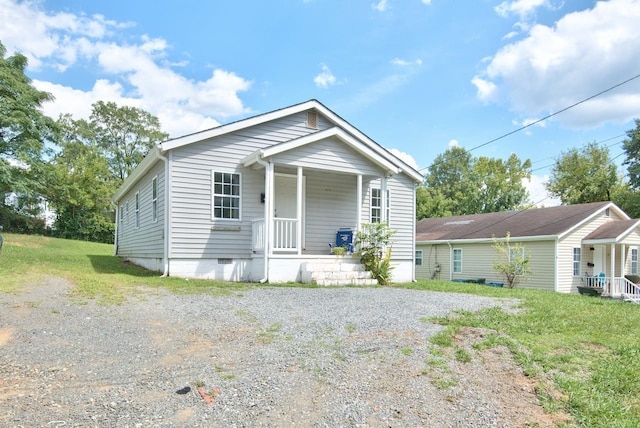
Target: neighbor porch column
(622, 257)
(299, 211)
(612, 267)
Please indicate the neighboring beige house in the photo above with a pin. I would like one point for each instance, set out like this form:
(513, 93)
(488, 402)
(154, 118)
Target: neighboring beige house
(262, 198)
(568, 245)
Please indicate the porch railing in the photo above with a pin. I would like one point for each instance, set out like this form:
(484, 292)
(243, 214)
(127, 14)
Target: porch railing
(628, 290)
(284, 233)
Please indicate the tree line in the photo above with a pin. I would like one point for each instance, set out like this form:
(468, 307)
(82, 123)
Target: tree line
(76, 165)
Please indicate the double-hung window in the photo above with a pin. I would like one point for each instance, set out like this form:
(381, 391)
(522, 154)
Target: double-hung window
(634, 261)
(457, 260)
(418, 257)
(376, 206)
(154, 199)
(577, 260)
(516, 255)
(137, 209)
(226, 195)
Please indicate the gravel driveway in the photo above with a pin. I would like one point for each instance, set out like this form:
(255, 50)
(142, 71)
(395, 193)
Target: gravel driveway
(268, 356)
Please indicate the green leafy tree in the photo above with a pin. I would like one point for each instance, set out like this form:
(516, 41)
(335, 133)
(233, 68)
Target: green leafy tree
(24, 129)
(584, 175)
(80, 185)
(631, 147)
(512, 261)
(124, 135)
(458, 183)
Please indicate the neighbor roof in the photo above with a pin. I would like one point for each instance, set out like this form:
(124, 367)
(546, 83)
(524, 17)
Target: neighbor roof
(552, 221)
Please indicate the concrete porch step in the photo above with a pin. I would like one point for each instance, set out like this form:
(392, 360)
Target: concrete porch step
(335, 272)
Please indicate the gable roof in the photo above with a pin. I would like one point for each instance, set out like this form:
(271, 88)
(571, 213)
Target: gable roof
(332, 117)
(612, 231)
(538, 222)
(343, 130)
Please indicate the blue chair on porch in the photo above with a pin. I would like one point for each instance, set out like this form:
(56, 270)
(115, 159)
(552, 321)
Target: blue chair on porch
(344, 239)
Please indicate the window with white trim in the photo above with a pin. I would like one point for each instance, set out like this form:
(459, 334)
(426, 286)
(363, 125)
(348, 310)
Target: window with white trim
(634, 261)
(226, 195)
(154, 199)
(418, 257)
(121, 210)
(457, 260)
(127, 211)
(376, 205)
(137, 209)
(577, 261)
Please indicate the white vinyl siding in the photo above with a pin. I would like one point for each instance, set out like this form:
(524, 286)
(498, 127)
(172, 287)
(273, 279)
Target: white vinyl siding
(634, 261)
(577, 261)
(457, 260)
(226, 195)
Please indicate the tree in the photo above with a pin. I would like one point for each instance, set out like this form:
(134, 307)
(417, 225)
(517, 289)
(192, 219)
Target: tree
(124, 135)
(457, 184)
(373, 241)
(512, 261)
(584, 175)
(24, 129)
(631, 147)
(80, 185)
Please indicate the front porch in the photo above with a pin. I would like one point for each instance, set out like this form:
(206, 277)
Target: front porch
(611, 270)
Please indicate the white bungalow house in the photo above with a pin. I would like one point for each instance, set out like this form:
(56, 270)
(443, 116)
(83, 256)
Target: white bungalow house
(262, 198)
(570, 247)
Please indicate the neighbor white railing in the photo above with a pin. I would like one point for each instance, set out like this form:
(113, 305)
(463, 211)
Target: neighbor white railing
(628, 290)
(284, 233)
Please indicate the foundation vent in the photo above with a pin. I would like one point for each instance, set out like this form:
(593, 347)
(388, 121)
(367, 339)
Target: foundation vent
(225, 261)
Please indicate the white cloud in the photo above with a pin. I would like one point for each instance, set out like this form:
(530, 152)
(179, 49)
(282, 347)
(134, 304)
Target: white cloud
(521, 8)
(426, 1)
(136, 74)
(486, 89)
(537, 191)
(381, 6)
(405, 63)
(582, 54)
(405, 157)
(453, 143)
(325, 78)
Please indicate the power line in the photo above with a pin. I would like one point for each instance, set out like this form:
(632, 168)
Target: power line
(556, 113)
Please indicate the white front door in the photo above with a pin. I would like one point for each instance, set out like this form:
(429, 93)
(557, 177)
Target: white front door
(285, 197)
(598, 260)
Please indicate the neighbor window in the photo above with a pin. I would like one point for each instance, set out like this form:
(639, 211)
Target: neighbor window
(418, 257)
(127, 210)
(376, 206)
(137, 209)
(634, 261)
(154, 199)
(226, 195)
(457, 260)
(121, 214)
(577, 258)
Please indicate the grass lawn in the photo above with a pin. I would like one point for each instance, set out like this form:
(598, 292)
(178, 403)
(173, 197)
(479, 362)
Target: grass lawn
(585, 351)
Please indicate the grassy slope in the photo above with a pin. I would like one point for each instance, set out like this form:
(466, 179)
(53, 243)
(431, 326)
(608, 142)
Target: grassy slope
(587, 348)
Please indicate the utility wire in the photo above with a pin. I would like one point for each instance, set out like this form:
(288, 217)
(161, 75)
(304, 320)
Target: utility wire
(556, 113)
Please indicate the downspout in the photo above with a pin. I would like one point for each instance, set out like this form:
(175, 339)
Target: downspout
(115, 238)
(450, 261)
(167, 218)
(267, 209)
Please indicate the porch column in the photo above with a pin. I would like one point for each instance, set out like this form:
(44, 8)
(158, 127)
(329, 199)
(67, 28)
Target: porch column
(299, 211)
(622, 259)
(383, 200)
(612, 267)
(358, 202)
(268, 210)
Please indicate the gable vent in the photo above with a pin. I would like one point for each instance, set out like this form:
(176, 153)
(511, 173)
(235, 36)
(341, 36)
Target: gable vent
(312, 119)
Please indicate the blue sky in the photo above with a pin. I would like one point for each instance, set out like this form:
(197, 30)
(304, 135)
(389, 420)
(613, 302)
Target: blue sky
(417, 76)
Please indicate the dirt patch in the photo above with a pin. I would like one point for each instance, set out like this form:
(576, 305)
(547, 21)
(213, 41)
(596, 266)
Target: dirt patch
(6, 334)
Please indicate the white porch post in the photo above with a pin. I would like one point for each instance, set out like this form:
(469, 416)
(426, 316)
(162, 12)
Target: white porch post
(268, 211)
(358, 202)
(612, 267)
(383, 200)
(299, 211)
(622, 257)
